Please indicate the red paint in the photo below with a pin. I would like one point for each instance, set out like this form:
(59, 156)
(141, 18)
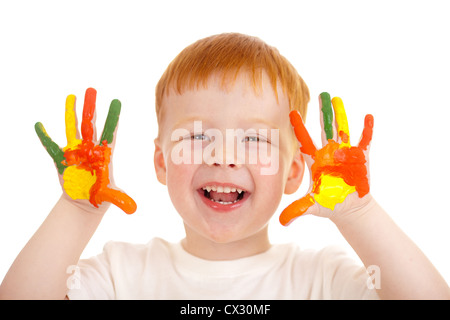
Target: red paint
(87, 124)
(367, 132)
(348, 163)
(344, 136)
(96, 158)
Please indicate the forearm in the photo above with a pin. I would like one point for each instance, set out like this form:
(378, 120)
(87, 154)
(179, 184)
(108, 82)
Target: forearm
(40, 269)
(405, 272)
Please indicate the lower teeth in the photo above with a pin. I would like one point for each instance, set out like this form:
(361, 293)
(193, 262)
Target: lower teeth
(224, 202)
(240, 196)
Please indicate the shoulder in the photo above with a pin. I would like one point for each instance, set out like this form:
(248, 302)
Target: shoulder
(316, 265)
(328, 273)
(127, 250)
(314, 257)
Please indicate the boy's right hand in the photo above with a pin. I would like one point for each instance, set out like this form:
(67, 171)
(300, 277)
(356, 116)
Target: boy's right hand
(84, 164)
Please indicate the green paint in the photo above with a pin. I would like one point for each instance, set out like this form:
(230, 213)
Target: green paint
(52, 148)
(327, 113)
(111, 122)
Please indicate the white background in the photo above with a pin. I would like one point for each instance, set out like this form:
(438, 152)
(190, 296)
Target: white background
(388, 58)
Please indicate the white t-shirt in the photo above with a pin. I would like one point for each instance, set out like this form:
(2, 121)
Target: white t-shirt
(163, 270)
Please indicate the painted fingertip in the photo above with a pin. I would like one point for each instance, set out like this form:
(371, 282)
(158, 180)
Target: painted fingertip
(368, 121)
(91, 91)
(295, 210)
(116, 105)
(38, 126)
(41, 132)
(87, 126)
(341, 120)
(89, 102)
(111, 121)
(295, 118)
(366, 137)
(52, 148)
(327, 114)
(325, 96)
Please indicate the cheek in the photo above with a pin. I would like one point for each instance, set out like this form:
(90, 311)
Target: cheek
(179, 181)
(271, 186)
(268, 188)
(265, 157)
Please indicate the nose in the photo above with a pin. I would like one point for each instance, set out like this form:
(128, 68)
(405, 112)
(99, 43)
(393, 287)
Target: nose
(219, 158)
(231, 165)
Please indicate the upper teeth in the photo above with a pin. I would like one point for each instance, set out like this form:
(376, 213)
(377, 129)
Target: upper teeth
(222, 189)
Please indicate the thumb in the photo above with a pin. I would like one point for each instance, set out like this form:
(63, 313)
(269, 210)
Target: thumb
(305, 205)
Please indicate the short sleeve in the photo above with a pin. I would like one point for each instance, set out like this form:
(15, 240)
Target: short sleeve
(344, 277)
(91, 279)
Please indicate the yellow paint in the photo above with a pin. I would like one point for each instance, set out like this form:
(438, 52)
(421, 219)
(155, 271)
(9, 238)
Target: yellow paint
(78, 182)
(332, 190)
(71, 124)
(341, 119)
(41, 127)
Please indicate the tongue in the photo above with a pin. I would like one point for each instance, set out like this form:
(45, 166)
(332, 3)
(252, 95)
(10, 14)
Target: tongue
(223, 197)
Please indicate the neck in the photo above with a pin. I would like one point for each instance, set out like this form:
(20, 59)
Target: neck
(208, 249)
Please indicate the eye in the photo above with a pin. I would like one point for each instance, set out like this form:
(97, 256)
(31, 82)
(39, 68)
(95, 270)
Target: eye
(199, 136)
(255, 139)
(251, 139)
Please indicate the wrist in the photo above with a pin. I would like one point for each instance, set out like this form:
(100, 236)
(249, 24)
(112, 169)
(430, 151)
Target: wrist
(364, 207)
(82, 207)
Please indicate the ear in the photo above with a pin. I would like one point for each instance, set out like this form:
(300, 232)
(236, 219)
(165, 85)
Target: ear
(296, 172)
(160, 165)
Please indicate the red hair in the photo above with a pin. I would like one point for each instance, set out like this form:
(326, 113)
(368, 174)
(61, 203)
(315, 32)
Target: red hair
(228, 54)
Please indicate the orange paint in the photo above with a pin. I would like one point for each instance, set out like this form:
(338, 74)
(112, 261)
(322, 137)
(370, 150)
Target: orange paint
(338, 169)
(302, 135)
(292, 211)
(84, 164)
(87, 124)
(367, 132)
(346, 163)
(95, 158)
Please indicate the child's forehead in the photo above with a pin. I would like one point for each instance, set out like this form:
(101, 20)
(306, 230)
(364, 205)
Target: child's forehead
(231, 103)
(240, 84)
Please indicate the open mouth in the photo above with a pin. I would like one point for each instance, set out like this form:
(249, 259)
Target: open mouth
(224, 195)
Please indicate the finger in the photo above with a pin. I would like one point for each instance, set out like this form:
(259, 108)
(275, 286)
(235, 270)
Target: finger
(341, 120)
(307, 145)
(87, 124)
(116, 197)
(111, 122)
(52, 148)
(326, 117)
(71, 123)
(366, 136)
(296, 209)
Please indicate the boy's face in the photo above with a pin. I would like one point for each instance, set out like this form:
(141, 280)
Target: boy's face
(227, 157)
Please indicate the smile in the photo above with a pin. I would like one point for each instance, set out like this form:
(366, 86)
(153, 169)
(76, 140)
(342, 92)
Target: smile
(223, 196)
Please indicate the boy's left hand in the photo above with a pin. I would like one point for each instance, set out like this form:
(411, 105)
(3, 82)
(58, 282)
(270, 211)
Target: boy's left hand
(339, 172)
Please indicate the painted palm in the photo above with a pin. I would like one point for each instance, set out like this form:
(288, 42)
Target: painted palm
(338, 169)
(84, 164)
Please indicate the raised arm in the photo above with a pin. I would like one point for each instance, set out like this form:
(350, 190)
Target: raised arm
(340, 190)
(42, 268)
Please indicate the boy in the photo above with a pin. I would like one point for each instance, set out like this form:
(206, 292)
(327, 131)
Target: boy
(225, 190)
